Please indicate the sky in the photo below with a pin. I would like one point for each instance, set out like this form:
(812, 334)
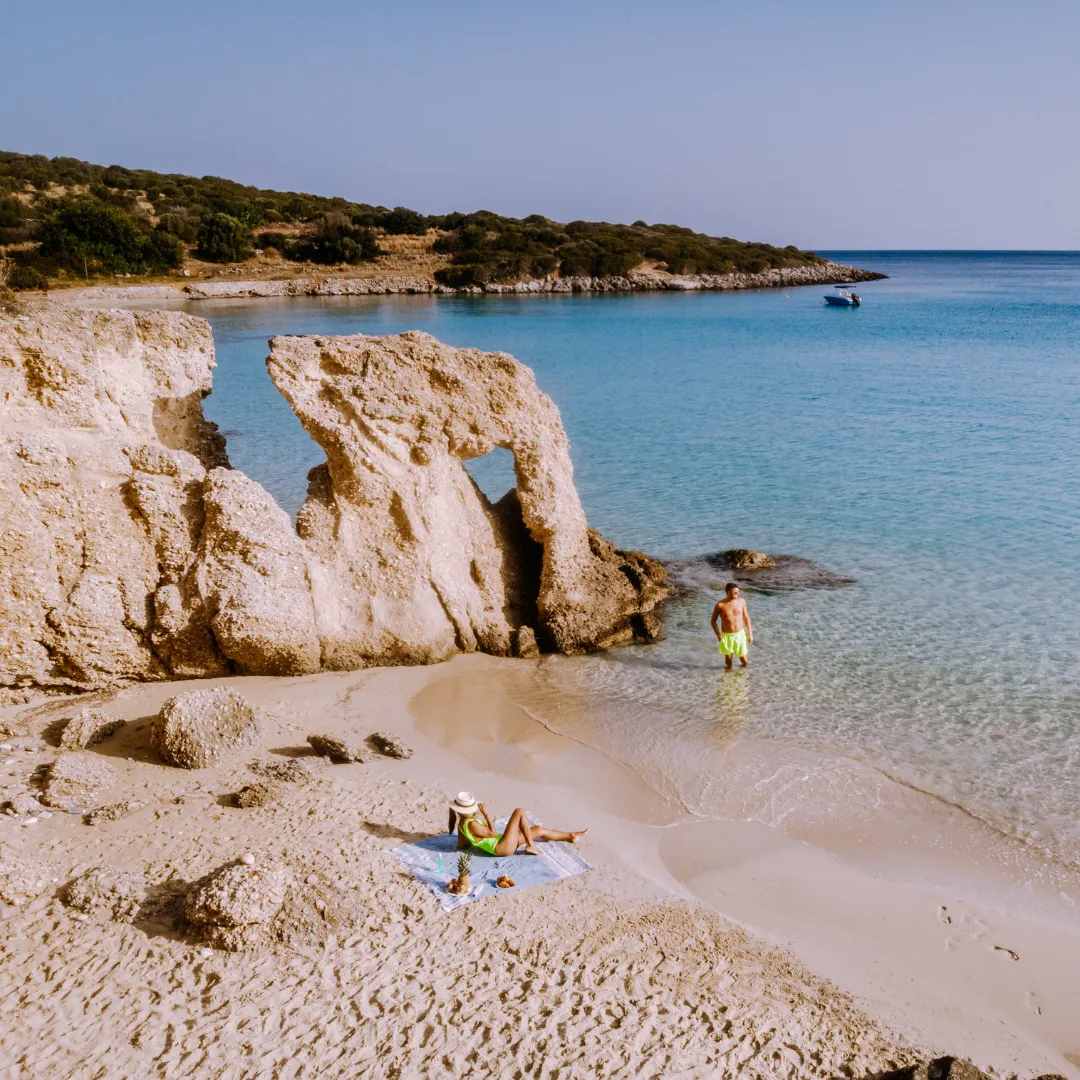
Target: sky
(828, 125)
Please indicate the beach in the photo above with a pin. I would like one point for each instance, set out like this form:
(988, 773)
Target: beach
(692, 948)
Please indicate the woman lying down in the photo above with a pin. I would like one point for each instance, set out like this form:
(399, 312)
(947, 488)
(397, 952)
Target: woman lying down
(476, 829)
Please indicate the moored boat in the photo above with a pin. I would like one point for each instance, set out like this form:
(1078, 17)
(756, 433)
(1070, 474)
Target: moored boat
(843, 297)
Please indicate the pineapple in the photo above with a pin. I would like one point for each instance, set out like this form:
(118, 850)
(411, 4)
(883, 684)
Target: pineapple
(460, 885)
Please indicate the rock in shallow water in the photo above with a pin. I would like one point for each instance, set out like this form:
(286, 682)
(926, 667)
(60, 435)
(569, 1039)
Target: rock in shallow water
(195, 730)
(743, 559)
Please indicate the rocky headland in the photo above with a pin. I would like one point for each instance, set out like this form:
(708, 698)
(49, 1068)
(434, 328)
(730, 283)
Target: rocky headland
(131, 550)
(823, 273)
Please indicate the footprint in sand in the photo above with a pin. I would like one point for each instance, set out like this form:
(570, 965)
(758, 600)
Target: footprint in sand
(1032, 1004)
(943, 914)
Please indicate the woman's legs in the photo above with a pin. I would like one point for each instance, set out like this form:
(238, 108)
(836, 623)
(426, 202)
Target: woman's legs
(519, 831)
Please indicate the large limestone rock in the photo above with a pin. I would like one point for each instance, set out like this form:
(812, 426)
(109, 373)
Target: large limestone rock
(195, 730)
(410, 562)
(253, 579)
(131, 551)
(82, 395)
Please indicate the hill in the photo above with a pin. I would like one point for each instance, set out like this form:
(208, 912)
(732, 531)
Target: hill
(64, 220)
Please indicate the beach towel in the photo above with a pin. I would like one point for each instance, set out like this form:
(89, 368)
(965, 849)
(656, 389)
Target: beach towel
(433, 862)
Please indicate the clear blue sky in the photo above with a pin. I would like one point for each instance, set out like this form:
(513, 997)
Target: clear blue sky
(949, 124)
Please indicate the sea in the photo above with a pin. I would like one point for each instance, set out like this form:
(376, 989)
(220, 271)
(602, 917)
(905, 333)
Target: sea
(922, 451)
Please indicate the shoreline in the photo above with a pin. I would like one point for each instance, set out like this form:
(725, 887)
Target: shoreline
(828, 273)
(923, 985)
(858, 895)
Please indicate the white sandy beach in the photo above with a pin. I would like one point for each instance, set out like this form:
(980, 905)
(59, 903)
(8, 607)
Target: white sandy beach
(693, 949)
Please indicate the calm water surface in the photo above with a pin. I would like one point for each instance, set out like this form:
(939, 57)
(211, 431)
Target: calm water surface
(926, 444)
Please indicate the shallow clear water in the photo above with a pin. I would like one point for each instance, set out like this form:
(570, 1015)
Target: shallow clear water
(926, 444)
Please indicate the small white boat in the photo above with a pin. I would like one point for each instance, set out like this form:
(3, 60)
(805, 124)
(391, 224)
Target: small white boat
(843, 297)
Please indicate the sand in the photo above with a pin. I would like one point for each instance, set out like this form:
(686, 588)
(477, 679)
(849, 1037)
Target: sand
(693, 949)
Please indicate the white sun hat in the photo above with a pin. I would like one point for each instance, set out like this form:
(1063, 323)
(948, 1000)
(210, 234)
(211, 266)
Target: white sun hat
(465, 803)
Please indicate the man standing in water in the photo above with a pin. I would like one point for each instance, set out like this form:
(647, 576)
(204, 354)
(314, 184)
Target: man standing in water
(735, 630)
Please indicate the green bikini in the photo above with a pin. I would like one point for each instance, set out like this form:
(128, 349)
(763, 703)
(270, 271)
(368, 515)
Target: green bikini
(486, 844)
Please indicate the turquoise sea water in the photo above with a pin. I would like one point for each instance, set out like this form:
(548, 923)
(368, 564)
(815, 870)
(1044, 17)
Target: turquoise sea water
(927, 444)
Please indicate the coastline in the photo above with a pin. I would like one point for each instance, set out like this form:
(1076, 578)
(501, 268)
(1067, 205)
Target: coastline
(828, 273)
(779, 915)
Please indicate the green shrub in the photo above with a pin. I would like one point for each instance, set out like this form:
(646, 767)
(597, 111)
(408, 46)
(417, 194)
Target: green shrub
(401, 221)
(181, 225)
(222, 238)
(163, 251)
(220, 215)
(22, 278)
(12, 213)
(86, 234)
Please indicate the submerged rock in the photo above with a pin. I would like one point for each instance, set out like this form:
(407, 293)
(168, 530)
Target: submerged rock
(195, 730)
(76, 781)
(788, 573)
(742, 559)
(88, 727)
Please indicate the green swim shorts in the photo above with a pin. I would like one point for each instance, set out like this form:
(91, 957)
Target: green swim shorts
(733, 644)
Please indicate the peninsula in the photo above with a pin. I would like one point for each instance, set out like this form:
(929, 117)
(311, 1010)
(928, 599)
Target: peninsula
(65, 223)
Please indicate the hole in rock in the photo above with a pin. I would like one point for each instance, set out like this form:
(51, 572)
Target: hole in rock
(493, 473)
(522, 556)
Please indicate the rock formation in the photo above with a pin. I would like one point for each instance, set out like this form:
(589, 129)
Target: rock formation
(82, 394)
(232, 907)
(76, 781)
(195, 730)
(131, 551)
(337, 750)
(107, 890)
(410, 561)
(88, 727)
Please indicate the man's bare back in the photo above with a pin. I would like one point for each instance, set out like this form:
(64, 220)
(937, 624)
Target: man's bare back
(735, 630)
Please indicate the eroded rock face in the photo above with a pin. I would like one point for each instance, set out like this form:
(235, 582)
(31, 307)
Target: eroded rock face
(197, 729)
(82, 395)
(409, 559)
(131, 551)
